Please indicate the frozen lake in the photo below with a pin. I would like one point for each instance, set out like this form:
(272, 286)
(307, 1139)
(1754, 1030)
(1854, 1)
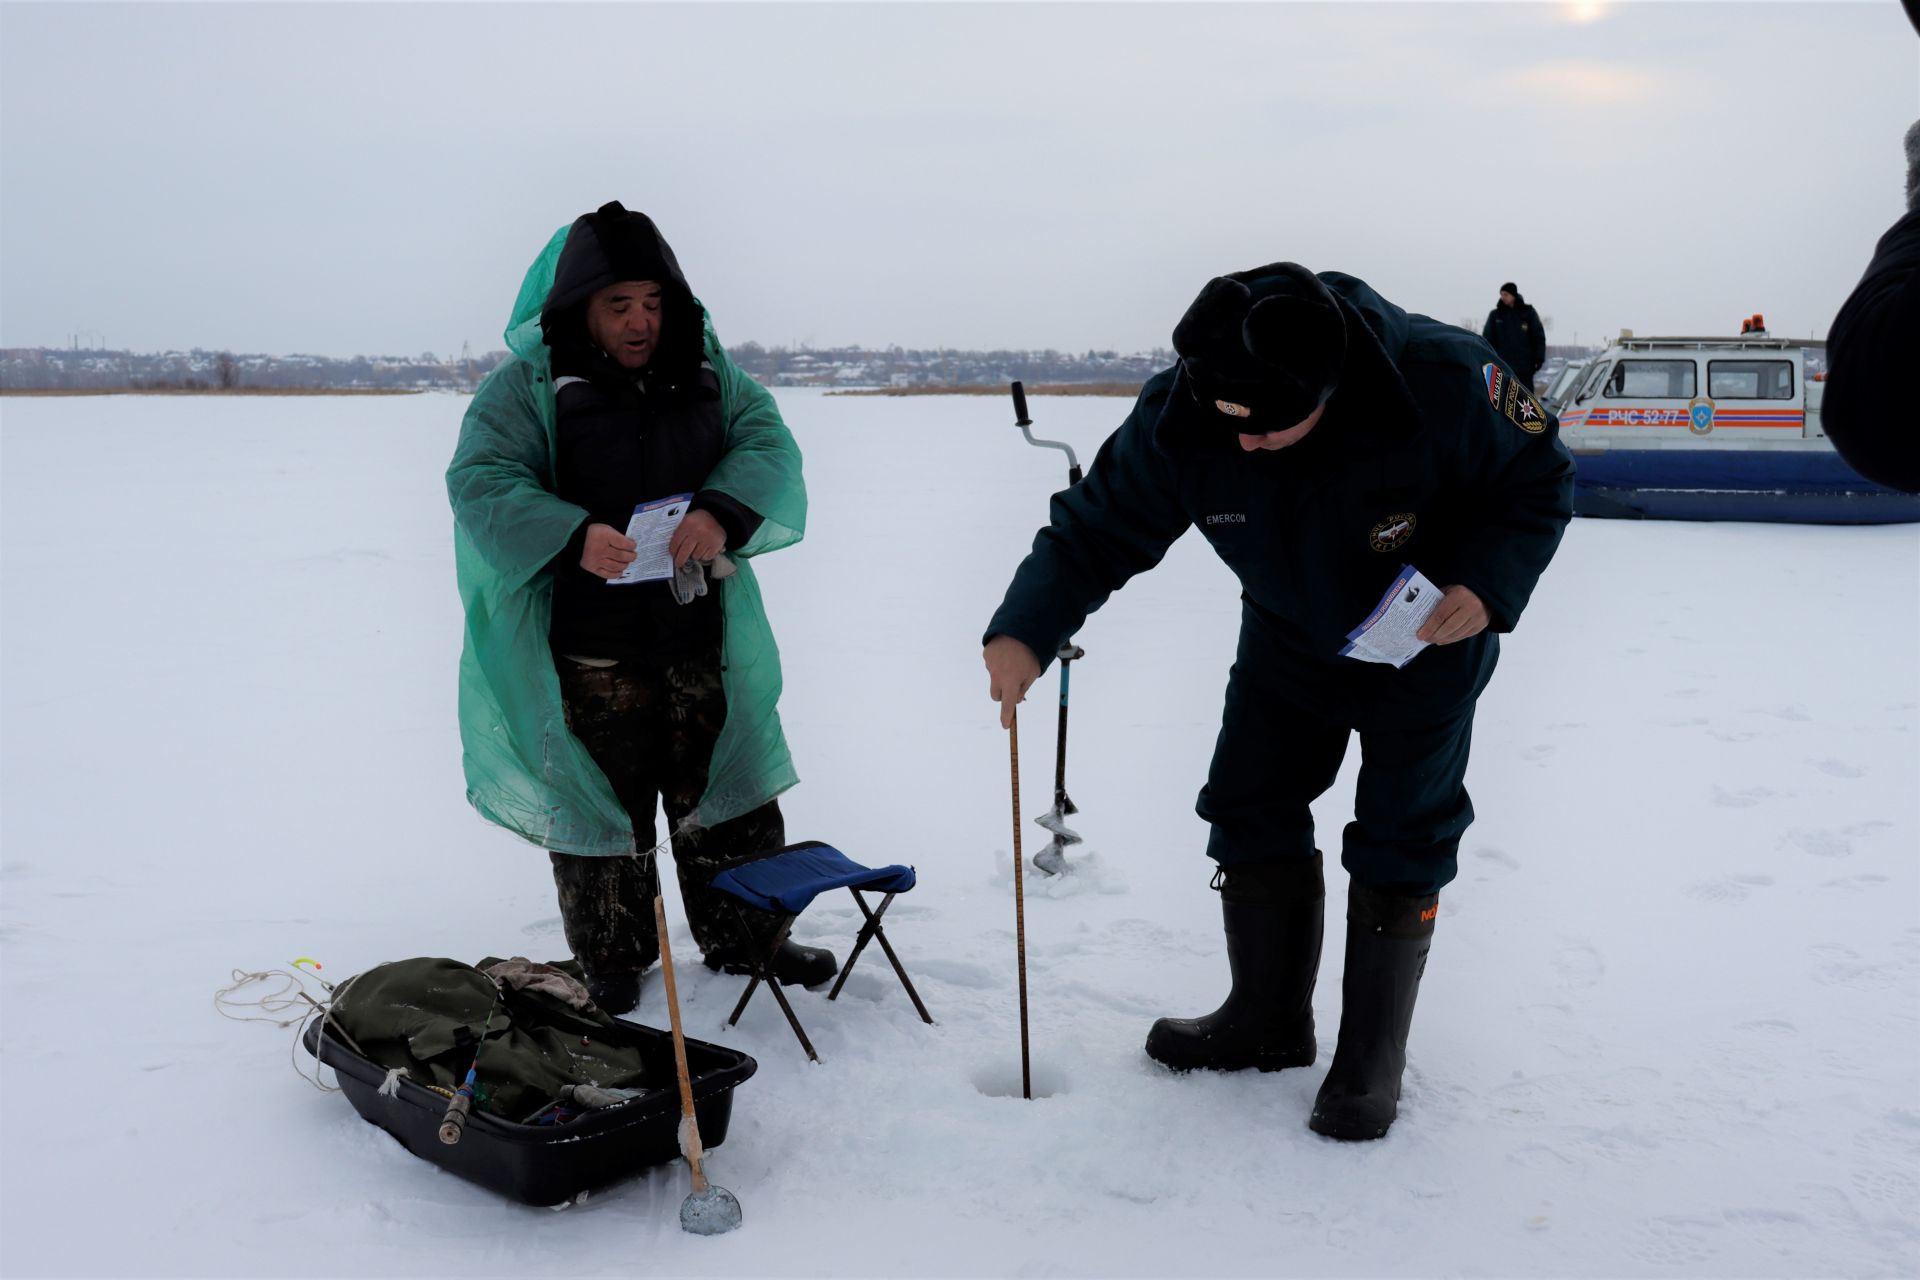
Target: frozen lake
(1671, 1024)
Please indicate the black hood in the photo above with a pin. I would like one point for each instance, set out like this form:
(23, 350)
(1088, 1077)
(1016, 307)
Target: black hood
(605, 247)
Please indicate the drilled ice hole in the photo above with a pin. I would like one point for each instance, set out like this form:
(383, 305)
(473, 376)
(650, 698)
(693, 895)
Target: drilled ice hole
(1002, 1080)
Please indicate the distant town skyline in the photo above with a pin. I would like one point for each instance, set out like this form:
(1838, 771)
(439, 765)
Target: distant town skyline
(971, 176)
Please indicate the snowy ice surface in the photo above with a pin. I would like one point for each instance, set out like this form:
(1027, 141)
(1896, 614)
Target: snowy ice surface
(1670, 1024)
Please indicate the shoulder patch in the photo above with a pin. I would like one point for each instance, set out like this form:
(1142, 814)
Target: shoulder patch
(1507, 395)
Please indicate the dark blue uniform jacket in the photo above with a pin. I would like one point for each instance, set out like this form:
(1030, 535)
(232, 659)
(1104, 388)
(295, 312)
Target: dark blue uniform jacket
(1430, 454)
(1871, 349)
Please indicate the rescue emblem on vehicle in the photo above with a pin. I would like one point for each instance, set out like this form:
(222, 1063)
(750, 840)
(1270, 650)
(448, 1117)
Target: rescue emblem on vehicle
(1233, 410)
(1393, 531)
(1700, 415)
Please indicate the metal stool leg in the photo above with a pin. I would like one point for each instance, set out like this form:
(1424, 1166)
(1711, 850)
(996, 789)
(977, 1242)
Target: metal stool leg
(745, 996)
(759, 964)
(763, 969)
(906, 982)
(793, 1020)
(860, 944)
(871, 931)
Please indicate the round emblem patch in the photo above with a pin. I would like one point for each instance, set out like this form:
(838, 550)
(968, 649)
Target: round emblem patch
(1393, 532)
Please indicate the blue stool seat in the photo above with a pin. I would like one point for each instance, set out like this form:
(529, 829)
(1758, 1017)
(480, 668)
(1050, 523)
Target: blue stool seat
(791, 879)
(785, 882)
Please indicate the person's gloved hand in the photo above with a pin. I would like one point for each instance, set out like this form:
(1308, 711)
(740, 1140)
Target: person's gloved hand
(690, 579)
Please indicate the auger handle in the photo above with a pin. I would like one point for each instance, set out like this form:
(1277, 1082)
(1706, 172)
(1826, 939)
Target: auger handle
(1022, 421)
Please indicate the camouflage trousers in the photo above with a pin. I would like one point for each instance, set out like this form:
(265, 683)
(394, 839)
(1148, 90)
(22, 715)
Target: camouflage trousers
(651, 727)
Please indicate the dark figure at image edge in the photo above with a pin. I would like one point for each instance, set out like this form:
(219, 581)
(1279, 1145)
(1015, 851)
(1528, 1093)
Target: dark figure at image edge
(1872, 349)
(574, 730)
(1319, 437)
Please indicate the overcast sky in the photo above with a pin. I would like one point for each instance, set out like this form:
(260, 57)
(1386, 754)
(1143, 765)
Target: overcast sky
(370, 178)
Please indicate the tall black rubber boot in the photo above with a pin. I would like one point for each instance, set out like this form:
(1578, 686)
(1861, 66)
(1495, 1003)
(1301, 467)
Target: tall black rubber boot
(1274, 914)
(1387, 942)
(793, 964)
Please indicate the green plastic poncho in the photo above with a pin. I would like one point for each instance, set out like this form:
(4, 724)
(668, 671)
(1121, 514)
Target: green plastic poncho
(525, 770)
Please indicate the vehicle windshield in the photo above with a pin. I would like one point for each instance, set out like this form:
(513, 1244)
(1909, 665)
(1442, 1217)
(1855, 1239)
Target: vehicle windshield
(1592, 384)
(1563, 383)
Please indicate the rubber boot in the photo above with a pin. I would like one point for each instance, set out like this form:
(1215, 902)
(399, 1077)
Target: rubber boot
(1387, 942)
(615, 993)
(794, 965)
(1273, 913)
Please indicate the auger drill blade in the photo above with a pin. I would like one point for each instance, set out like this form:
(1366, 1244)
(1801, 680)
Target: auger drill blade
(1053, 859)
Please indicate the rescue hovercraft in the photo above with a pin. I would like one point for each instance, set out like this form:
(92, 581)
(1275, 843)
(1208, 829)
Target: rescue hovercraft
(1713, 429)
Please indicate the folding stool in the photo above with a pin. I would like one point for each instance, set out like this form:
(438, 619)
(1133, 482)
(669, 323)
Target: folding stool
(785, 882)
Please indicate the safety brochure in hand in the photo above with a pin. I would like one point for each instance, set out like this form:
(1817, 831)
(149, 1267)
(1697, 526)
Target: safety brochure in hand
(652, 529)
(1388, 634)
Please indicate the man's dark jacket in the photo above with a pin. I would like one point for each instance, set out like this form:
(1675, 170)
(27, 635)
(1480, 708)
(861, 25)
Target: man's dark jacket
(629, 437)
(1517, 336)
(1872, 351)
(1428, 454)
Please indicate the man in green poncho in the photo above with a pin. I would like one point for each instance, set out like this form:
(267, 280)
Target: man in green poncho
(586, 697)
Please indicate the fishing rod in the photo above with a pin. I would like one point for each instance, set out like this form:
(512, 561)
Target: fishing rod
(454, 1122)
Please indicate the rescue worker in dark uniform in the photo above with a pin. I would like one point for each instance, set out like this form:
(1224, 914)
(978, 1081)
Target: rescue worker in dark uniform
(1320, 438)
(1514, 331)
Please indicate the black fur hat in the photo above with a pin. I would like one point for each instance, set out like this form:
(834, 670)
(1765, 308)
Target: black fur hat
(1262, 349)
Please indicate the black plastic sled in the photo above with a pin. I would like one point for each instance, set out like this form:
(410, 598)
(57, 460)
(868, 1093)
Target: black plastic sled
(547, 1164)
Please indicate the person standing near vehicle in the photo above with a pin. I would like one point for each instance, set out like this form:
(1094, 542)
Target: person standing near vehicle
(1514, 331)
